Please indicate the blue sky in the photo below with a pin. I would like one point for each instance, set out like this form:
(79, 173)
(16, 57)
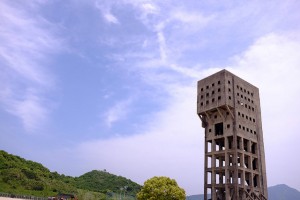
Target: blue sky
(107, 84)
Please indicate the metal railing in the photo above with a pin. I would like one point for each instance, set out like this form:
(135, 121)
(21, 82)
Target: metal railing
(21, 196)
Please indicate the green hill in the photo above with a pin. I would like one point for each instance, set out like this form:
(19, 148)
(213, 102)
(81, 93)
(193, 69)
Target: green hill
(101, 181)
(20, 176)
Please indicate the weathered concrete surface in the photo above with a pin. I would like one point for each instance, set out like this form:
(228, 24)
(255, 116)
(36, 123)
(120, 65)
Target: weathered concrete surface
(234, 163)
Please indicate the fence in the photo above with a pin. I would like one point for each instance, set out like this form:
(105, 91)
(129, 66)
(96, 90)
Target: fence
(19, 196)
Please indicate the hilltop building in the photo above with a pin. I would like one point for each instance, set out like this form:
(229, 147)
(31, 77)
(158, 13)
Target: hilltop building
(234, 166)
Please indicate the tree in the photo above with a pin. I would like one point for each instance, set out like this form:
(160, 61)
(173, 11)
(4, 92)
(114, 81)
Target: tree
(161, 188)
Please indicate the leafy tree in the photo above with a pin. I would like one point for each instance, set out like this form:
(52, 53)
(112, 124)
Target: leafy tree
(161, 188)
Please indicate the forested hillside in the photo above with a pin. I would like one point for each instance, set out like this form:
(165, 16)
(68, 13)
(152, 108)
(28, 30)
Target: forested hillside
(20, 176)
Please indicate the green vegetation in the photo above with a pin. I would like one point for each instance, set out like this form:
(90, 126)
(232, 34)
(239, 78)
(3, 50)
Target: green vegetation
(20, 176)
(161, 188)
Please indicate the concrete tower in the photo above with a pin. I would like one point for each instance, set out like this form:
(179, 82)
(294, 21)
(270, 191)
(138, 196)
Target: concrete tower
(234, 166)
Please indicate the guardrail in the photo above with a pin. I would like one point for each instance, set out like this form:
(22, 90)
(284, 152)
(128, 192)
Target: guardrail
(21, 196)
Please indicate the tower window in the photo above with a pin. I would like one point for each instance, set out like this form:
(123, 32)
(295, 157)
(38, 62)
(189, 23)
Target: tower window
(228, 82)
(219, 129)
(219, 97)
(219, 89)
(219, 82)
(213, 85)
(213, 100)
(201, 89)
(201, 96)
(229, 97)
(207, 87)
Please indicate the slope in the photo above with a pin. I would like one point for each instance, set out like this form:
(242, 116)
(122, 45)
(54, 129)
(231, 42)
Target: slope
(20, 176)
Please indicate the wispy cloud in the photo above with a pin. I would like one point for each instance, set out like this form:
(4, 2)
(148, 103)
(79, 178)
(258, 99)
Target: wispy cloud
(106, 12)
(175, 133)
(117, 112)
(26, 42)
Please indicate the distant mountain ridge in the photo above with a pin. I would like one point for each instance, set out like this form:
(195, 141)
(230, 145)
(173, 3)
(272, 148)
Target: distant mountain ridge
(277, 192)
(21, 176)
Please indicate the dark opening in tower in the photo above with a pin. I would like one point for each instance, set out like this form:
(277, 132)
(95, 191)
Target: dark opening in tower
(219, 129)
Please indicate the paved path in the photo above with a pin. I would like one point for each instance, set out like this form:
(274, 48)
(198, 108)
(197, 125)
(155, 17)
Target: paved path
(6, 198)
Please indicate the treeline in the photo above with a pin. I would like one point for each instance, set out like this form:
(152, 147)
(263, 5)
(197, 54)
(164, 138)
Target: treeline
(20, 176)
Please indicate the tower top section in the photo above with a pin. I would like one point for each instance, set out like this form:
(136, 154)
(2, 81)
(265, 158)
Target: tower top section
(221, 89)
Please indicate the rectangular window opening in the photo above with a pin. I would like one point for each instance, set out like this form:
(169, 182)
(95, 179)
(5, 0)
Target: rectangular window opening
(208, 162)
(208, 180)
(217, 178)
(217, 162)
(209, 146)
(253, 148)
(219, 130)
(254, 164)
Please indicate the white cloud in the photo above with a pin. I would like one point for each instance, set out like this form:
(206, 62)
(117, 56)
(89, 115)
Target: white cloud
(171, 144)
(111, 18)
(104, 8)
(26, 44)
(272, 64)
(31, 110)
(149, 8)
(118, 112)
